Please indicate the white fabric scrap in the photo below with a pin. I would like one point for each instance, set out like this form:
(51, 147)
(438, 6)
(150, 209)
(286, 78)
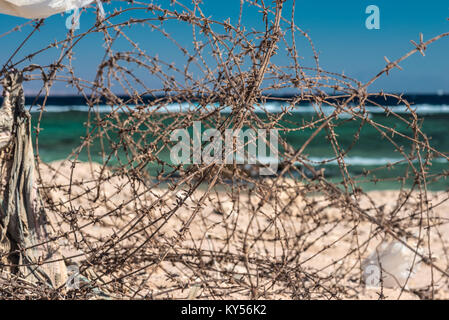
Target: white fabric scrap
(37, 9)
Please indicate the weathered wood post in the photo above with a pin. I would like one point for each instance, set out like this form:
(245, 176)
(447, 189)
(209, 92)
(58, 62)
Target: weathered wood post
(24, 225)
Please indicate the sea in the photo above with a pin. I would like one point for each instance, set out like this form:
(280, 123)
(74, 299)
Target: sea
(373, 161)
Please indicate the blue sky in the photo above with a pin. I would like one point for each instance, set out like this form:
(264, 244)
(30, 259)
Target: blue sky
(337, 29)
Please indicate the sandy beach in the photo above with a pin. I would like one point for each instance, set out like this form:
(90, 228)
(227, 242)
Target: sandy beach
(236, 242)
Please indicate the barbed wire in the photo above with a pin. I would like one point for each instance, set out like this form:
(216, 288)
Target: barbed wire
(139, 226)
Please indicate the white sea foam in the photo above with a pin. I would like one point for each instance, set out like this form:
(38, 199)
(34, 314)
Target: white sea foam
(421, 109)
(354, 161)
(367, 161)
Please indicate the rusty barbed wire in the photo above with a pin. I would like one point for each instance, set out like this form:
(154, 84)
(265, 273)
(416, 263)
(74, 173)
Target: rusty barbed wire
(138, 226)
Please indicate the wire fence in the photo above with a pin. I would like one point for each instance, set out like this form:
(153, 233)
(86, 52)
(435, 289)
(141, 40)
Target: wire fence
(131, 223)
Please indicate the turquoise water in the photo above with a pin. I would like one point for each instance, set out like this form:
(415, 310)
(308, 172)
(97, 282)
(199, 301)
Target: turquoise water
(62, 132)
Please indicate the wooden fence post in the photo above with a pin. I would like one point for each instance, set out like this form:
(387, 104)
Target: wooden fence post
(24, 225)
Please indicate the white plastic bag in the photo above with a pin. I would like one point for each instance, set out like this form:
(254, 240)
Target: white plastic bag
(36, 9)
(396, 261)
